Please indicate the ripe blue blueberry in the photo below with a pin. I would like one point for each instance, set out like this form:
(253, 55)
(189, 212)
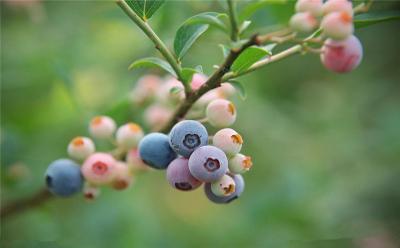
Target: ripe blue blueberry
(155, 151)
(64, 178)
(186, 136)
(208, 163)
(239, 188)
(178, 175)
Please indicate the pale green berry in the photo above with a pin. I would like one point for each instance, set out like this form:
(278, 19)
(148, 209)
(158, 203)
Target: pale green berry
(240, 164)
(80, 148)
(129, 135)
(225, 186)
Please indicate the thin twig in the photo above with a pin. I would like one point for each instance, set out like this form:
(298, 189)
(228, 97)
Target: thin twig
(233, 19)
(37, 199)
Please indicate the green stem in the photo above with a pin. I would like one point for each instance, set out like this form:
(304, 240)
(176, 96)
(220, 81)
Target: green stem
(286, 53)
(233, 19)
(145, 27)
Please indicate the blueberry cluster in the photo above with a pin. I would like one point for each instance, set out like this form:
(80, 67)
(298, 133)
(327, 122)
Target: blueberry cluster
(159, 97)
(88, 169)
(190, 160)
(342, 51)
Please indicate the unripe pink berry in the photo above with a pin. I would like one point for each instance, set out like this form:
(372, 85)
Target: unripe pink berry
(225, 186)
(226, 90)
(337, 6)
(91, 192)
(102, 127)
(303, 22)
(123, 176)
(129, 135)
(99, 168)
(134, 162)
(314, 7)
(221, 113)
(240, 164)
(342, 56)
(146, 88)
(80, 148)
(228, 140)
(164, 94)
(157, 116)
(198, 80)
(337, 25)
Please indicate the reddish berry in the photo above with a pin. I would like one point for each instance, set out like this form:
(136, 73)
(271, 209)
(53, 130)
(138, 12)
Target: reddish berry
(337, 25)
(228, 140)
(221, 113)
(342, 56)
(99, 168)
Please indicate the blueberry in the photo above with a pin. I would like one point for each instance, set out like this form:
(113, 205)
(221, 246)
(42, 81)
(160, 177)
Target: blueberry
(63, 177)
(229, 141)
(178, 175)
(155, 151)
(208, 163)
(239, 188)
(186, 136)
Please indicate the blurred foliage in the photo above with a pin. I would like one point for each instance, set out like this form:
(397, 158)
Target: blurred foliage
(325, 146)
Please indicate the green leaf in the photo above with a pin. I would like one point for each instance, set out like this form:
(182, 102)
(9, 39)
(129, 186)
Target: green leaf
(244, 26)
(145, 8)
(225, 50)
(192, 28)
(199, 68)
(268, 48)
(187, 74)
(247, 58)
(251, 8)
(239, 87)
(152, 62)
(370, 18)
(175, 90)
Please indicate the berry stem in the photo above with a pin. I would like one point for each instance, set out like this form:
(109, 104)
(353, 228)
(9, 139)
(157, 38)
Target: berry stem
(233, 19)
(35, 200)
(159, 44)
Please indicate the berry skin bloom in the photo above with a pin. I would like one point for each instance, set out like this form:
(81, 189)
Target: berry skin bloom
(208, 163)
(342, 56)
(179, 177)
(337, 25)
(337, 6)
(64, 178)
(225, 186)
(314, 7)
(80, 148)
(129, 135)
(240, 164)
(123, 177)
(186, 136)
(239, 188)
(99, 168)
(155, 151)
(102, 127)
(221, 113)
(228, 140)
(303, 22)
(134, 162)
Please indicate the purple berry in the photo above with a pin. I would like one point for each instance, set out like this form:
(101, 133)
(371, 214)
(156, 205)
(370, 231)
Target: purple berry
(178, 175)
(208, 163)
(186, 136)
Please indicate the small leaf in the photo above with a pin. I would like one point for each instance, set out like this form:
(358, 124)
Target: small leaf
(370, 18)
(248, 58)
(240, 88)
(192, 28)
(187, 74)
(175, 90)
(268, 48)
(251, 8)
(145, 8)
(225, 50)
(244, 26)
(199, 68)
(152, 62)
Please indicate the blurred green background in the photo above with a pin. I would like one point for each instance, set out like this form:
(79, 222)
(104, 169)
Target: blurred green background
(326, 147)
